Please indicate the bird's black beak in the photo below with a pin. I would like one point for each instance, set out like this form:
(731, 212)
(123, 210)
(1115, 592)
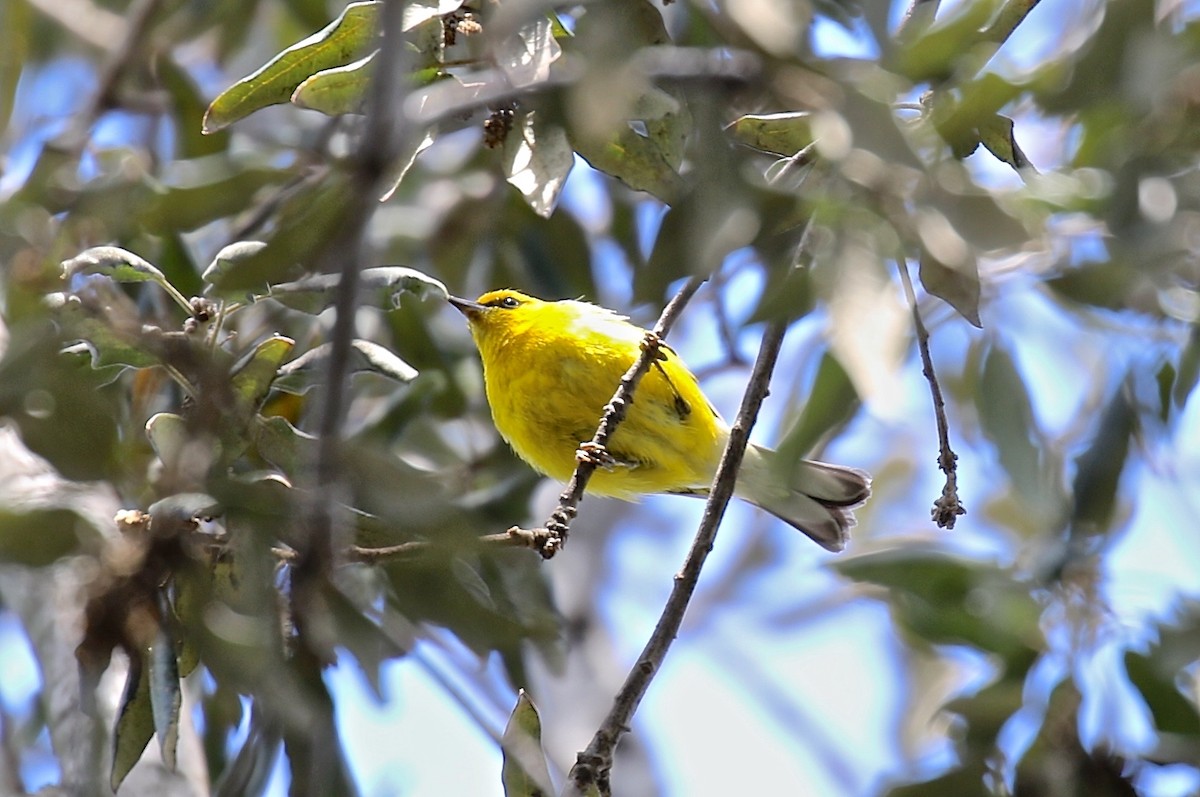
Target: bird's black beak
(466, 306)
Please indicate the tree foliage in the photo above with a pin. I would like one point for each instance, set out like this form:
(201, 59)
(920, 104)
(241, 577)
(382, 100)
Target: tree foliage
(295, 488)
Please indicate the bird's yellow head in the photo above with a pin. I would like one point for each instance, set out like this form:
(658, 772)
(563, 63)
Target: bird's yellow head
(498, 315)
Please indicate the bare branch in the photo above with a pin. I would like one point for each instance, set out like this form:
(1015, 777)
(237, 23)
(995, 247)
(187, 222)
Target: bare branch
(947, 507)
(593, 765)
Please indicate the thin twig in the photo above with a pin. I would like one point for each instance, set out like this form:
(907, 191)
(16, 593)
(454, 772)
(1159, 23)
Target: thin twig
(948, 507)
(590, 455)
(513, 538)
(1011, 15)
(593, 765)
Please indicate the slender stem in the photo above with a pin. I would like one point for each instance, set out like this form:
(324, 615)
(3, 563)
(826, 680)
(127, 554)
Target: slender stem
(1011, 14)
(590, 454)
(947, 507)
(592, 766)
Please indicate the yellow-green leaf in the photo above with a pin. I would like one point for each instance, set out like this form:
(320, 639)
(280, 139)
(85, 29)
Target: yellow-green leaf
(337, 44)
(525, 773)
(338, 90)
(135, 723)
(782, 134)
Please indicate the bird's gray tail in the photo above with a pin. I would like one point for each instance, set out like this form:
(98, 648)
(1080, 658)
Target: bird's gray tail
(815, 497)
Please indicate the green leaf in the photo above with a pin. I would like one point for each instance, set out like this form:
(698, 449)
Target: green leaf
(1189, 368)
(384, 285)
(524, 772)
(308, 370)
(336, 91)
(166, 697)
(228, 259)
(832, 401)
(945, 599)
(40, 537)
(283, 445)
(120, 266)
(1172, 712)
(1007, 418)
(782, 134)
(997, 135)
(537, 160)
(171, 439)
(102, 342)
(1107, 284)
(252, 379)
(957, 285)
(648, 162)
(1098, 469)
(135, 722)
(113, 262)
(337, 44)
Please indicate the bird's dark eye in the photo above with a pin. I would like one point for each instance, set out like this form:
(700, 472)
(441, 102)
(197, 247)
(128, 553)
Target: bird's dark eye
(508, 303)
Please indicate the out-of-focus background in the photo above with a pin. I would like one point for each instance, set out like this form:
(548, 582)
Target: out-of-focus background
(1033, 167)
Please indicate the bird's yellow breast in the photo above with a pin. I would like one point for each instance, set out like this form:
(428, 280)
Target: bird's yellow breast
(549, 370)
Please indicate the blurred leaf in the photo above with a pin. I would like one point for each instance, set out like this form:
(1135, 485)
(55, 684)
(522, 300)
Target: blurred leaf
(114, 263)
(525, 56)
(283, 445)
(189, 107)
(135, 722)
(537, 160)
(957, 285)
(976, 216)
(649, 160)
(165, 694)
(170, 437)
(59, 404)
(338, 90)
(832, 401)
(382, 285)
(1057, 762)
(309, 369)
(935, 55)
(252, 379)
(228, 259)
(223, 190)
(1096, 75)
(39, 537)
(337, 44)
(369, 645)
(998, 136)
(782, 134)
(250, 771)
(412, 146)
(1189, 368)
(1007, 418)
(524, 773)
(1172, 712)
(1108, 284)
(305, 225)
(1098, 470)
(105, 343)
(944, 599)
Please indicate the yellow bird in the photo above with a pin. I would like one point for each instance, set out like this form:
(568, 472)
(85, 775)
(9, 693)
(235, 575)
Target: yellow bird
(550, 367)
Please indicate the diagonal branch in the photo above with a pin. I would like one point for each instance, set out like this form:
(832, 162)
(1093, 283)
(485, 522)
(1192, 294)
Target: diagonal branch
(592, 767)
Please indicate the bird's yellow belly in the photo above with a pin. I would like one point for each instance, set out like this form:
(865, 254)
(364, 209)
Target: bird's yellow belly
(545, 413)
